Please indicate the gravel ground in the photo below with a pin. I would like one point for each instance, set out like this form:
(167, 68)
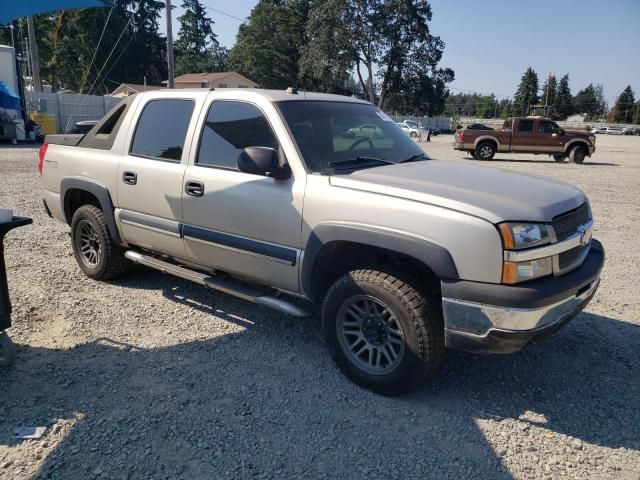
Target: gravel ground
(152, 377)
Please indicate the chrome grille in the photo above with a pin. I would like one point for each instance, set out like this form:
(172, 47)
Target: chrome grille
(567, 224)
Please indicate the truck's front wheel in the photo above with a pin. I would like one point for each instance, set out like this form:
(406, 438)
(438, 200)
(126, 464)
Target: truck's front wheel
(383, 333)
(578, 154)
(98, 256)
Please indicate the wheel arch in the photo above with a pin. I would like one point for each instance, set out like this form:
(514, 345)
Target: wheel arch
(333, 250)
(576, 142)
(487, 138)
(75, 192)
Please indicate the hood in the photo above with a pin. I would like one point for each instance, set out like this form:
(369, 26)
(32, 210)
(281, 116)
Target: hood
(492, 194)
(574, 133)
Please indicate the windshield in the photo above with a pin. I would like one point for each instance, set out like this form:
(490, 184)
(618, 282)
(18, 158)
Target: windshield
(331, 134)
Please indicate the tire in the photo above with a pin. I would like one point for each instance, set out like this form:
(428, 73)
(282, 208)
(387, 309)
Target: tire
(413, 134)
(408, 327)
(98, 256)
(559, 157)
(485, 151)
(577, 154)
(7, 351)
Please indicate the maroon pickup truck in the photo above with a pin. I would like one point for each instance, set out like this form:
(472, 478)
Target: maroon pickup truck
(535, 135)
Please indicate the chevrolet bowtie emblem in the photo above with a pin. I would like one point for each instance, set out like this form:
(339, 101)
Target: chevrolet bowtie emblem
(585, 235)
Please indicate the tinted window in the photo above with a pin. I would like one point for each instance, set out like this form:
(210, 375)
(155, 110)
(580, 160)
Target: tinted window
(329, 132)
(547, 127)
(107, 127)
(162, 129)
(525, 126)
(229, 128)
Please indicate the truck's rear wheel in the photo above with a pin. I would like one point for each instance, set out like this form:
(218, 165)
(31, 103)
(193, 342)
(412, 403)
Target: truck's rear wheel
(485, 151)
(383, 333)
(98, 256)
(560, 157)
(577, 154)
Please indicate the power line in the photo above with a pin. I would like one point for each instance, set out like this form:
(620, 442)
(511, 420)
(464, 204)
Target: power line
(226, 14)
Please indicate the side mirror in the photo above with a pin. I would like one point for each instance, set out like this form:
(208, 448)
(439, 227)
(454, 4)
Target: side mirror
(263, 161)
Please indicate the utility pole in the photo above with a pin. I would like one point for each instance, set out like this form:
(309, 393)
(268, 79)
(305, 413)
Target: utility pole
(546, 100)
(36, 82)
(170, 66)
(19, 72)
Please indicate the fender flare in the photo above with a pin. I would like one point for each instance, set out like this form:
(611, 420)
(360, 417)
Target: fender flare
(98, 190)
(576, 141)
(487, 137)
(434, 256)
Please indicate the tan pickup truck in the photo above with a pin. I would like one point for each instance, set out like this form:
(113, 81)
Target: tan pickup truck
(535, 135)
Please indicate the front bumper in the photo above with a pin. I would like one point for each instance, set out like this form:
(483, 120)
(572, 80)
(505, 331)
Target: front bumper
(592, 148)
(489, 318)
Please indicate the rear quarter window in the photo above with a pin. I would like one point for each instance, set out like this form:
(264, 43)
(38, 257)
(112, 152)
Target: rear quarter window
(162, 129)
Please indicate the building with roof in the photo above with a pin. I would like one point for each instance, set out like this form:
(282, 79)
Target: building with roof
(126, 89)
(213, 80)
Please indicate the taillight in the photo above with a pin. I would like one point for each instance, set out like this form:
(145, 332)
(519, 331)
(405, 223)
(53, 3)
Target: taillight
(461, 135)
(41, 153)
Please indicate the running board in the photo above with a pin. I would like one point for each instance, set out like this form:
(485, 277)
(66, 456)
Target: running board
(245, 292)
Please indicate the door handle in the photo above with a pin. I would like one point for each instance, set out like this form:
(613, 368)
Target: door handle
(195, 189)
(130, 178)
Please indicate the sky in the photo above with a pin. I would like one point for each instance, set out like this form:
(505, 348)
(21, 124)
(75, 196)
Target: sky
(490, 43)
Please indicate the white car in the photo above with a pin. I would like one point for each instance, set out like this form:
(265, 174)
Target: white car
(412, 132)
(599, 130)
(615, 131)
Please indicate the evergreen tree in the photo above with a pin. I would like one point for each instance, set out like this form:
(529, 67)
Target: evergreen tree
(564, 104)
(131, 48)
(549, 90)
(197, 49)
(268, 47)
(585, 101)
(527, 93)
(623, 109)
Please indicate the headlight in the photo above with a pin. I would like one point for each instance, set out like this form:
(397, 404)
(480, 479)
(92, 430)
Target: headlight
(516, 272)
(523, 235)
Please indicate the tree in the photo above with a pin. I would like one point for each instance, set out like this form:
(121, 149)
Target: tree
(623, 109)
(601, 101)
(505, 108)
(131, 48)
(549, 90)
(527, 93)
(268, 47)
(197, 49)
(384, 40)
(486, 107)
(585, 101)
(564, 103)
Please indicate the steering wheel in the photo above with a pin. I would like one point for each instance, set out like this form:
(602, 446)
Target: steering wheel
(362, 140)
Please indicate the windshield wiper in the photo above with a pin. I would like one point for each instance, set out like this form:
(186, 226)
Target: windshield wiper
(359, 160)
(414, 158)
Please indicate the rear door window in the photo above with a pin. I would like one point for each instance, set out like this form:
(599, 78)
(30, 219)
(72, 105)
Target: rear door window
(162, 129)
(525, 126)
